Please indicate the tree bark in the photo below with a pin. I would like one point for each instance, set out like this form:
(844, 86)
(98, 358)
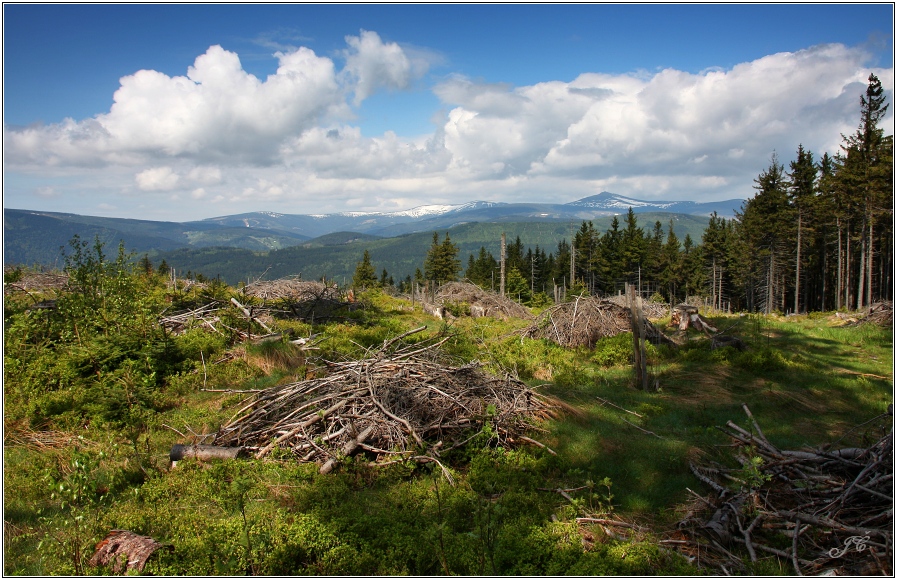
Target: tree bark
(838, 289)
(638, 339)
(869, 258)
(797, 267)
(861, 293)
(501, 281)
(203, 452)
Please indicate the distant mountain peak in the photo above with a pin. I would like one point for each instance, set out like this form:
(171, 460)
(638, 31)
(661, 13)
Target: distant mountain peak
(615, 202)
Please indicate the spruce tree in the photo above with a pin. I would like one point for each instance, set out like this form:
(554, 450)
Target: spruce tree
(365, 276)
(670, 272)
(441, 263)
(801, 193)
(611, 266)
(633, 247)
(866, 174)
(764, 236)
(714, 252)
(144, 265)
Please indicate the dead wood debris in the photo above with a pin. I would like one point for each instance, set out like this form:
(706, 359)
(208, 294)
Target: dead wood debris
(880, 313)
(685, 316)
(20, 435)
(292, 288)
(125, 551)
(38, 282)
(401, 402)
(585, 320)
(650, 309)
(180, 322)
(296, 299)
(823, 511)
(481, 302)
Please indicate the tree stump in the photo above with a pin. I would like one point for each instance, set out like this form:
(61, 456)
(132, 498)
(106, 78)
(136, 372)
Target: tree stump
(125, 551)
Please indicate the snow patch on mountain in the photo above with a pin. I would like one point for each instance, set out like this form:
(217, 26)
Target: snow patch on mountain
(610, 201)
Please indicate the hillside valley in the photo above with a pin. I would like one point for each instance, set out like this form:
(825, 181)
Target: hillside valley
(239, 246)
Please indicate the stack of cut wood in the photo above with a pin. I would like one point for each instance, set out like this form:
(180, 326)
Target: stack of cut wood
(482, 302)
(585, 320)
(399, 403)
(822, 510)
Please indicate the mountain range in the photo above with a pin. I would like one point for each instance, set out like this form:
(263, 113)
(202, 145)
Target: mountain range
(437, 217)
(38, 237)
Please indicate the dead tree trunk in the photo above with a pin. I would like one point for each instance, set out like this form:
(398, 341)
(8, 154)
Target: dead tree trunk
(249, 315)
(638, 338)
(501, 281)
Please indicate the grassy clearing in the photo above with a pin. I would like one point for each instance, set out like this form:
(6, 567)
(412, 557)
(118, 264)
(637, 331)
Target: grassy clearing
(806, 381)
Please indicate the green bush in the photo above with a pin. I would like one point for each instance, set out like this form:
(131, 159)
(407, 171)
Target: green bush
(613, 351)
(759, 359)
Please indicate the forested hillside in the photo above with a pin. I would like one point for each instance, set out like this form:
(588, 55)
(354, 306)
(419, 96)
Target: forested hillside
(334, 256)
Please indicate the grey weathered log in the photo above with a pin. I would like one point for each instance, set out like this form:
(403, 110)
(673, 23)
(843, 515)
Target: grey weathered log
(722, 520)
(347, 450)
(204, 452)
(249, 315)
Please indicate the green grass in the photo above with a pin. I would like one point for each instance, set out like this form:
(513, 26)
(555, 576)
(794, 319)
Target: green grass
(806, 381)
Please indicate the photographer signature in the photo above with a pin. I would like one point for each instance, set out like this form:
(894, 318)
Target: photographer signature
(858, 541)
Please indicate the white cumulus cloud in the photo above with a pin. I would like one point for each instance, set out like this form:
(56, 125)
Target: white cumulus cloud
(157, 179)
(372, 64)
(287, 142)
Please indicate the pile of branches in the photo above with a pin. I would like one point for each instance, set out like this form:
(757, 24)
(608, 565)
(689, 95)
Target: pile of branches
(38, 282)
(482, 302)
(24, 436)
(584, 321)
(651, 310)
(291, 288)
(399, 403)
(299, 300)
(822, 510)
(880, 313)
(179, 322)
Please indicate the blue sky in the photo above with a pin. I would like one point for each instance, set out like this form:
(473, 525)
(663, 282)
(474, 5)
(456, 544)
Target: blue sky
(386, 107)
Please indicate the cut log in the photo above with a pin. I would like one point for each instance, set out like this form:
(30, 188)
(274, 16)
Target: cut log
(203, 452)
